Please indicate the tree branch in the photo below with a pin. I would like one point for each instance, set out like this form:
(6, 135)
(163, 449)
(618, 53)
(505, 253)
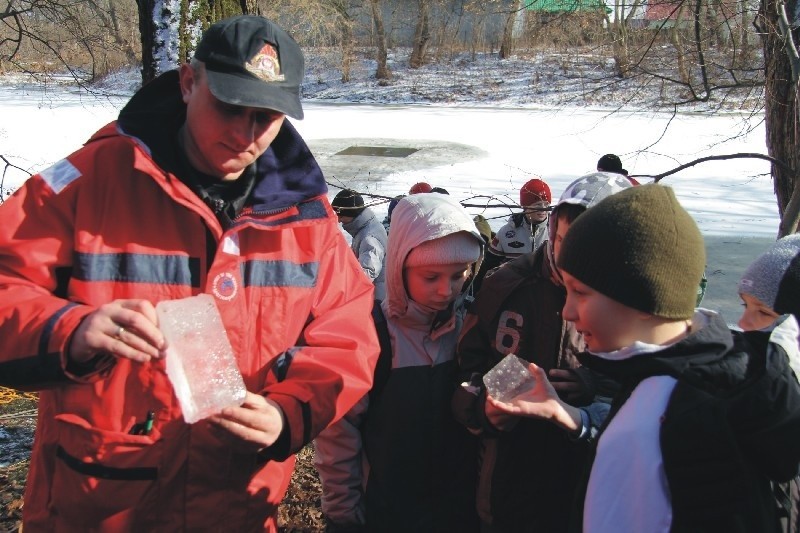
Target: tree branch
(659, 177)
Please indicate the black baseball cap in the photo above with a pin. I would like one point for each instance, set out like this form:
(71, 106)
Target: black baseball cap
(348, 203)
(251, 62)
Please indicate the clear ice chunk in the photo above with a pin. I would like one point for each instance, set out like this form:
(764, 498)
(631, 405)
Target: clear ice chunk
(200, 361)
(508, 379)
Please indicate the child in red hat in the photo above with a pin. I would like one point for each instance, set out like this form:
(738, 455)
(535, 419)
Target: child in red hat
(526, 231)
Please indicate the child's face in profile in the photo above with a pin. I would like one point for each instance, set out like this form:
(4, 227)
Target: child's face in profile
(606, 324)
(756, 314)
(435, 286)
(562, 226)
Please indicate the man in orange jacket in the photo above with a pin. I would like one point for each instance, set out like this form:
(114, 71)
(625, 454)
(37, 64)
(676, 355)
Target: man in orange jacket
(200, 186)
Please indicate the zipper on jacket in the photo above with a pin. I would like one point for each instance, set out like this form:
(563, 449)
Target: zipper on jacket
(264, 212)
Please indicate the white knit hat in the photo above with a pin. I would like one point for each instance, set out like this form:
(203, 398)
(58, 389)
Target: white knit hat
(774, 277)
(459, 247)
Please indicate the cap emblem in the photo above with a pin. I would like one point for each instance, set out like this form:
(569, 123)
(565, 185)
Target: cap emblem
(265, 65)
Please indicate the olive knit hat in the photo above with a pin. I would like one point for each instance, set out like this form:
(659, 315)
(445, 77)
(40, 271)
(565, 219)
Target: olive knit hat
(640, 248)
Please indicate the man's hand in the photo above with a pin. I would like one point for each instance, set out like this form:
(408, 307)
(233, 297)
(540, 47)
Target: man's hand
(253, 426)
(126, 329)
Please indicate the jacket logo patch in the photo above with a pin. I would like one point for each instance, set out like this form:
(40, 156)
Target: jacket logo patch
(511, 234)
(516, 244)
(225, 286)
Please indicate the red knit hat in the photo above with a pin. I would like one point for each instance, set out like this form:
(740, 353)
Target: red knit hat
(420, 187)
(534, 191)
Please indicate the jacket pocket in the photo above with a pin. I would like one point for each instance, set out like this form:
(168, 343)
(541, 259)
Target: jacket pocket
(102, 475)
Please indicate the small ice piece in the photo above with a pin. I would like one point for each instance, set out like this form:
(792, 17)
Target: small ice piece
(200, 362)
(508, 379)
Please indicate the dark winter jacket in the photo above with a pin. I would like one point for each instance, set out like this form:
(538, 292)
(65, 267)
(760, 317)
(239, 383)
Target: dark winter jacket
(527, 475)
(731, 424)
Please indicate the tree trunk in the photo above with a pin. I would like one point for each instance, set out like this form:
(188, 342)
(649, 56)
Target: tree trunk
(147, 31)
(618, 28)
(348, 46)
(507, 44)
(382, 72)
(250, 7)
(112, 22)
(422, 36)
(166, 17)
(744, 32)
(680, 52)
(780, 114)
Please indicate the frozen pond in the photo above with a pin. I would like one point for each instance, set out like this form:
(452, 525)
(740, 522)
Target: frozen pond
(469, 151)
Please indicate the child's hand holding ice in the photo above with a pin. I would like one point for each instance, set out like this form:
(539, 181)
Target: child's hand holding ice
(542, 402)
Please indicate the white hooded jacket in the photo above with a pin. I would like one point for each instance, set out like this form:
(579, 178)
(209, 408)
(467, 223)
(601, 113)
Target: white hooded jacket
(415, 338)
(420, 337)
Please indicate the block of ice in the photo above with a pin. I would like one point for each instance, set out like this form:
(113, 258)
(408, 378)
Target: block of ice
(200, 362)
(509, 378)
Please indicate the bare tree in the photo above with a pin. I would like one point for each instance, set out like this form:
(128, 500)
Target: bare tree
(507, 42)
(250, 7)
(514, 20)
(781, 107)
(422, 35)
(618, 24)
(345, 23)
(382, 71)
(169, 30)
(76, 35)
(110, 18)
(147, 32)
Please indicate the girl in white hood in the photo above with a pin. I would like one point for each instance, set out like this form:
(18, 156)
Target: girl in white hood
(422, 463)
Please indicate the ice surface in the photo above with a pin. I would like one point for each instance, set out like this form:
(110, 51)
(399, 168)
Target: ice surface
(200, 361)
(508, 379)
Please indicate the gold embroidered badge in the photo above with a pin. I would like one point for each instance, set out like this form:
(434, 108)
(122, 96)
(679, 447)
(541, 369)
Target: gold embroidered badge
(265, 65)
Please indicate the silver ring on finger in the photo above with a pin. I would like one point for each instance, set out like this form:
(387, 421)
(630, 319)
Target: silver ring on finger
(120, 331)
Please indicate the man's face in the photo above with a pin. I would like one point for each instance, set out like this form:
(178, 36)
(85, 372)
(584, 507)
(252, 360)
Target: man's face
(536, 212)
(221, 139)
(606, 324)
(435, 286)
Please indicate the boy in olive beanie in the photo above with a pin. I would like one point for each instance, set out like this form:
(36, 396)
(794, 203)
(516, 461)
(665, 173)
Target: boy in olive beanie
(640, 248)
(692, 440)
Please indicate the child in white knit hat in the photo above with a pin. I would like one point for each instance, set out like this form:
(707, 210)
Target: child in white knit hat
(770, 286)
(770, 292)
(422, 463)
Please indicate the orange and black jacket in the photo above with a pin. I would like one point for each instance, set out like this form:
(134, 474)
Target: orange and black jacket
(109, 222)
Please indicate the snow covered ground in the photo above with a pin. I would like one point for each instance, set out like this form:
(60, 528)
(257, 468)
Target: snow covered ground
(473, 143)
